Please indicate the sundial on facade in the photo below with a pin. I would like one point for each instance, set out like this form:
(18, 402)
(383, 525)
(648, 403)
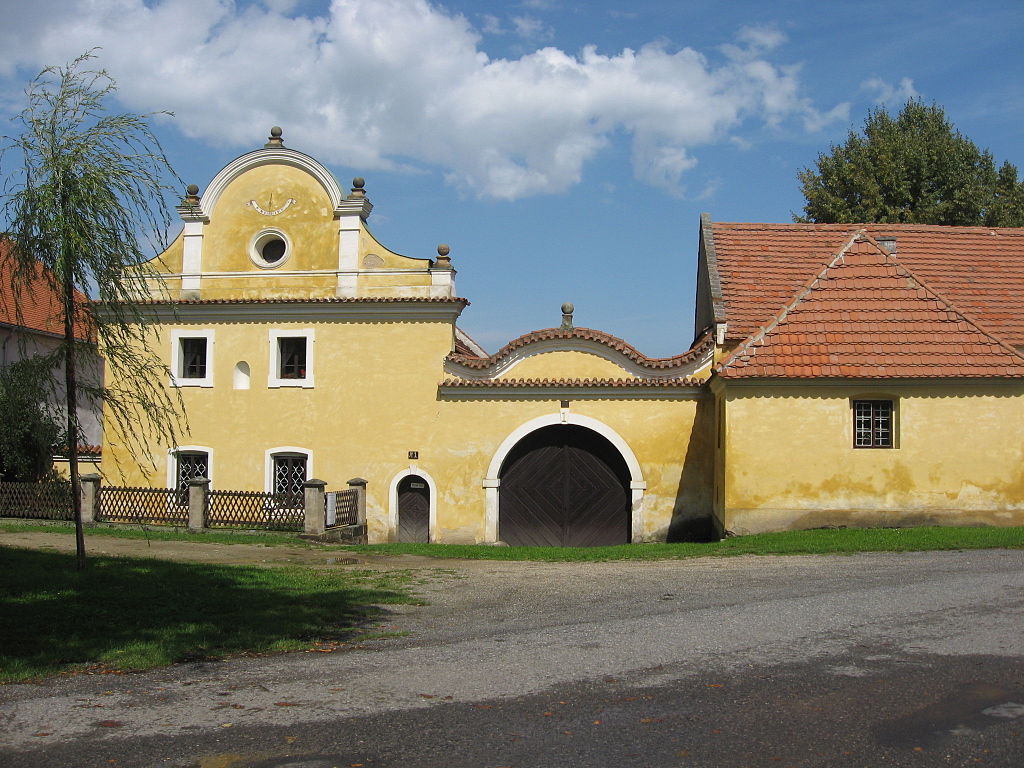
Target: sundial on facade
(270, 210)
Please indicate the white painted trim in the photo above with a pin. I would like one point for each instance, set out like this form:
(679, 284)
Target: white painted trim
(273, 380)
(303, 273)
(268, 156)
(393, 501)
(268, 463)
(492, 482)
(312, 311)
(172, 462)
(177, 380)
(583, 346)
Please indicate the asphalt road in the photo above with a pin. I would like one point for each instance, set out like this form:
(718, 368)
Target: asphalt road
(867, 660)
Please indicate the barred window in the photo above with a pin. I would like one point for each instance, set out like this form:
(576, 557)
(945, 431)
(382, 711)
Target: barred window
(190, 466)
(289, 474)
(872, 424)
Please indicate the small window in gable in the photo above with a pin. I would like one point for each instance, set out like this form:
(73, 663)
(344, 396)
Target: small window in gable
(873, 424)
(192, 358)
(291, 358)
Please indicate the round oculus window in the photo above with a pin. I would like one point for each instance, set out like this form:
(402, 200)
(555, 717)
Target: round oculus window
(269, 249)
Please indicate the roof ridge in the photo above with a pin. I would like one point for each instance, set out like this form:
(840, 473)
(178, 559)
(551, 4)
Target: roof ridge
(950, 305)
(801, 293)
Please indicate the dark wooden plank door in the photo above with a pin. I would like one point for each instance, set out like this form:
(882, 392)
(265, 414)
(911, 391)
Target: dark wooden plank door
(413, 510)
(564, 486)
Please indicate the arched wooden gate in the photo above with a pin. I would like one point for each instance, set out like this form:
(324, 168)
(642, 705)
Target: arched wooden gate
(413, 510)
(564, 485)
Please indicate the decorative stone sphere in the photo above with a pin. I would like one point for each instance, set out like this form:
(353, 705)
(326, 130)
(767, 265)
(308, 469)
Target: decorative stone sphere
(567, 308)
(276, 131)
(358, 182)
(192, 189)
(443, 249)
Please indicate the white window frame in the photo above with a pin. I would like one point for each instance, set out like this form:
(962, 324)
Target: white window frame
(284, 450)
(274, 374)
(177, 359)
(172, 462)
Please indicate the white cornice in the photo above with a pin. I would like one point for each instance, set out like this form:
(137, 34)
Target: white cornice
(267, 156)
(267, 273)
(571, 393)
(300, 312)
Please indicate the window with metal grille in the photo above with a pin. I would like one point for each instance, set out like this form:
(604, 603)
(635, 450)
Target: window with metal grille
(872, 424)
(289, 474)
(193, 358)
(190, 466)
(292, 354)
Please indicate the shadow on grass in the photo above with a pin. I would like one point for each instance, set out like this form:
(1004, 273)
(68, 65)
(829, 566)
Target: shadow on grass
(131, 614)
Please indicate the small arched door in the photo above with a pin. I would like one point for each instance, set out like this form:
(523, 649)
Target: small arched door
(564, 485)
(413, 510)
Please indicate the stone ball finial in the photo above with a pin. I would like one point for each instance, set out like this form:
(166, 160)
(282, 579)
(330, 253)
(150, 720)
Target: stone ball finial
(443, 260)
(274, 140)
(191, 195)
(358, 182)
(192, 189)
(567, 310)
(443, 249)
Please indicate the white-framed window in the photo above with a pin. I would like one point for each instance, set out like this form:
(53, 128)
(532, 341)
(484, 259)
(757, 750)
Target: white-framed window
(291, 358)
(186, 463)
(287, 468)
(192, 358)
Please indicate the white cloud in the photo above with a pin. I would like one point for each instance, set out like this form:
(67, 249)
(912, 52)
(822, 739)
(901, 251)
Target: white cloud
(382, 84)
(532, 28)
(883, 92)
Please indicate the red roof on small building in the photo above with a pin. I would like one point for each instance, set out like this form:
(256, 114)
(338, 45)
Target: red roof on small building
(755, 269)
(866, 315)
(37, 306)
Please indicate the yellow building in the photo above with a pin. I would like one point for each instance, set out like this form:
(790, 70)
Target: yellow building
(302, 347)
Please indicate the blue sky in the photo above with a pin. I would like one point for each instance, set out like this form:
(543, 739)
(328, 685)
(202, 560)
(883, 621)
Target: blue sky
(563, 149)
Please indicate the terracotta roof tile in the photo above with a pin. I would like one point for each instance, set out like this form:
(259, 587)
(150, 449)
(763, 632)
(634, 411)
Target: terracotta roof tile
(37, 307)
(668, 383)
(979, 269)
(702, 346)
(880, 319)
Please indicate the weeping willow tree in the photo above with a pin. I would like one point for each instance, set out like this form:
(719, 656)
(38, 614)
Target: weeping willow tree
(87, 204)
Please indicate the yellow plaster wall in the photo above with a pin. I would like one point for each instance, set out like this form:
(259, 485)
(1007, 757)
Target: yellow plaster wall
(376, 398)
(566, 364)
(789, 460)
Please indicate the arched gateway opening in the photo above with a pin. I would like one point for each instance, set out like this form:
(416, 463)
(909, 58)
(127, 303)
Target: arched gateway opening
(564, 485)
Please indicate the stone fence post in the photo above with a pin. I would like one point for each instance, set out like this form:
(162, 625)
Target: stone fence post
(198, 502)
(89, 486)
(359, 486)
(316, 506)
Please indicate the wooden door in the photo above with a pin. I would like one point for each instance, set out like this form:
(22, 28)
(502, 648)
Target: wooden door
(564, 486)
(413, 510)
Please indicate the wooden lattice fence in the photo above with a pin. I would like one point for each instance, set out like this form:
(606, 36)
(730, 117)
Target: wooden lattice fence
(37, 501)
(253, 509)
(168, 506)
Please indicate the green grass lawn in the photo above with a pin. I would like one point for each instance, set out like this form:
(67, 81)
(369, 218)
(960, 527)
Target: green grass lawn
(821, 541)
(130, 614)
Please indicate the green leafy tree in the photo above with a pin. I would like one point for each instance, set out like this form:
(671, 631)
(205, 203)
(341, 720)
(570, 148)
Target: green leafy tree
(913, 168)
(29, 430)
(88, 203)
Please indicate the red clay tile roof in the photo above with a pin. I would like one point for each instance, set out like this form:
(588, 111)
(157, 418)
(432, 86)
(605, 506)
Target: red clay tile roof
(686, 382)
(586, 334)
(760, 267)
(865, 315)
(37, 307)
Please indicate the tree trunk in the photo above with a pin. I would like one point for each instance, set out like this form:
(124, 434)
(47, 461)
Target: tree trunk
(71, 387)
